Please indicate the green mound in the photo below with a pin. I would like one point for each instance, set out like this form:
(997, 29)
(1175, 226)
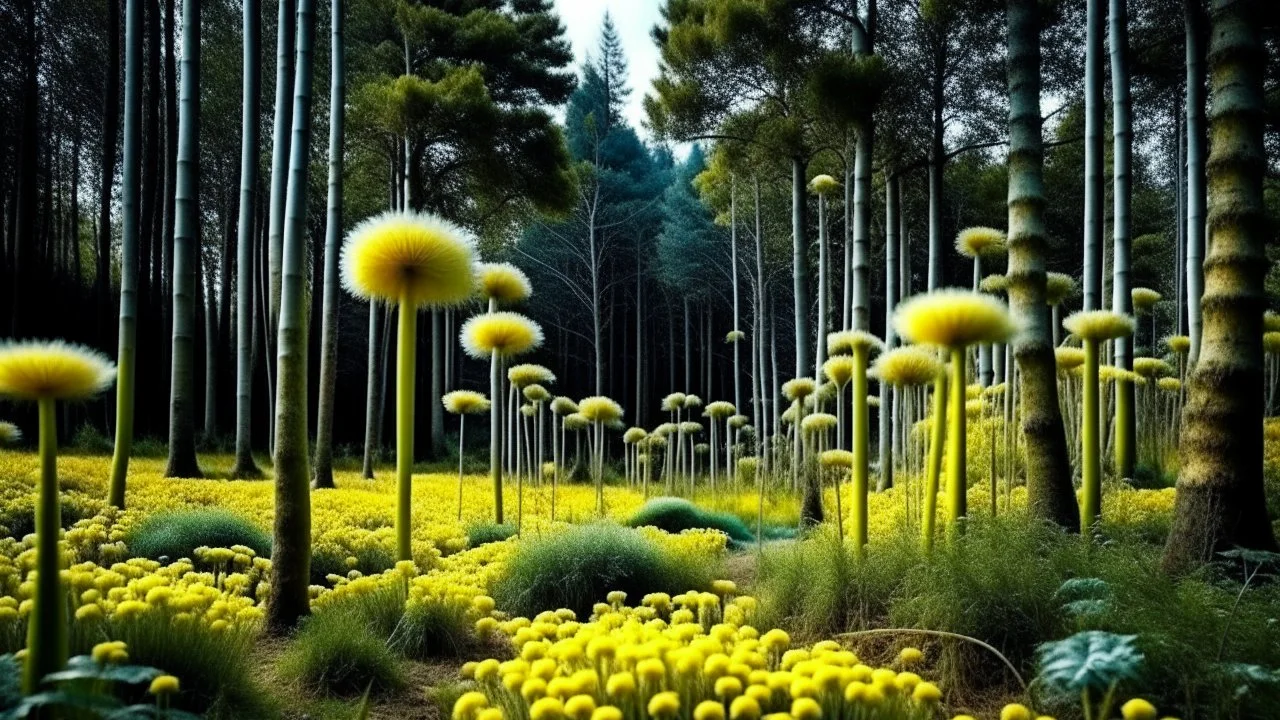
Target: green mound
(676, 514)
(177, 534)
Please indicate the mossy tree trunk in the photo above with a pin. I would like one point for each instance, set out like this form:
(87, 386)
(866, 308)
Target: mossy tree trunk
(1220, 497)
(291, 546)
(800, 266)
(1121, 226)
(1049, 490)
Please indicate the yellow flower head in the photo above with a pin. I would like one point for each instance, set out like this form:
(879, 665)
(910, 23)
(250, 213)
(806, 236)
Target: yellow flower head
(1169, 384)
(599, 409)
(734, 336)
(836, 458)
(563, 406)
(744, 707)
(580, 707)
(1149, 367)
(1271, 343)
(535, 393)
(1099, 325)
(806, 708)
(737, 422)
(505, 333)
(1058, 287)
(980, 241)
(954, 319)
(798, 388)
(910, 656)
(664, 705)
(1068, 358)
(673, 402)
(1180, 344)
(164, 685)
(1138, 709)
(689, 427)
(926, 693)
(1111, 373)
(10, 434)
(1270, 321)
(994, 284)
(1015, 711)
(547, 708)
(907, 366)
(1144, 299)
(719, 410)
(414, 258)
(576, 421)
(692, 401)
(606, 712)
(465, 402)
(634, 435)
(823, 184)
(528, 374)
(708, 710)
(818, 422)
(838, 369)
(503, 282)
(52, 369)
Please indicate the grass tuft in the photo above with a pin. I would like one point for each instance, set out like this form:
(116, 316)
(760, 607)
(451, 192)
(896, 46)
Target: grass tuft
(340, 654)
(177, 534)
(579, 567)
(485, 533)
(677, 514)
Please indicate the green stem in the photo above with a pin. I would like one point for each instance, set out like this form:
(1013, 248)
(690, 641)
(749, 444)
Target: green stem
(462, 428)
(406, 361)
(1090, 458)
(938, 431)
(956, 446)
(47, 626)
(495, 438)
(861, 448)
(1125, 429)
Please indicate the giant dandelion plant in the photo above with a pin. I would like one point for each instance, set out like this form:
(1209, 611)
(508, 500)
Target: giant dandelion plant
(518, 378)
(719, 410)
(633, 440)
(599, 411)
(560, 408)
(46, 372)
(463, 403)
(822, 186)
(502, 284)
(414, 261)
(1057, 288)
(911, 369)
(498, 336)
(1093, 327)
(797, 390)
(861, 344)
(955, 320)
(10, 434)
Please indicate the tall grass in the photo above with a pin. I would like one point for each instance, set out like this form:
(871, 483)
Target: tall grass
(338, 653)
(177, 534)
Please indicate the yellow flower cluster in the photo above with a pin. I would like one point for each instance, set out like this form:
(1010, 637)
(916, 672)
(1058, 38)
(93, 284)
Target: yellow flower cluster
(693, 656)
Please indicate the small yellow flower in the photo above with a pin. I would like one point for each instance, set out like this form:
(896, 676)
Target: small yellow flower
(708, 710)
(806, 708)
(926, 693)
(547, 708)
(164, 685)
(1015, 711)
(1138, 709)
(910, 656)
(606, 712)
(505, 333)
(580, 707)
(664, 705)
(744, 708)
(465, 402)
(503, 282)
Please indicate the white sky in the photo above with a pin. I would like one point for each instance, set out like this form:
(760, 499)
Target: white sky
(633, 20)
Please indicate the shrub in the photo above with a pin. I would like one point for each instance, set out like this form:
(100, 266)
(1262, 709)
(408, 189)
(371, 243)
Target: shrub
(819, 588)
(579, 567)
(485, 533)
(432, 628)
(216, 667)
(338, 653)
(370, 559)
(178, 533)
(677, 514)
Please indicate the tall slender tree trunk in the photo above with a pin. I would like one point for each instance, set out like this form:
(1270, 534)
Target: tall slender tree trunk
(640, 394)
(373, 391)
(208, 300)
(291, 548)
(251, 106)
(1121, 225)
(1220, 497)
(1049, 490)
(737, 307)
(279, 175)
(438, 341)
(1194, 30)
(824, 290)
(170, 190)
(1094, 188)
(888, 397)
(23, 229)
(862, 227)
(107, 164)
(127, 347)
(186, 255)
(799, 266)
(323, 477)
